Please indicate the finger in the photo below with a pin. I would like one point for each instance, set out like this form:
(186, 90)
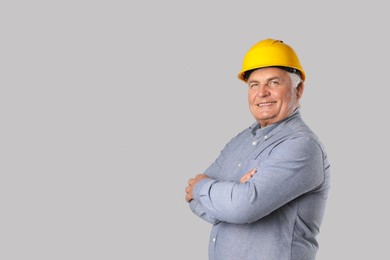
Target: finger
(188, 197)
(188, 189)
(245, 178)
(248, 175)
(252, 172)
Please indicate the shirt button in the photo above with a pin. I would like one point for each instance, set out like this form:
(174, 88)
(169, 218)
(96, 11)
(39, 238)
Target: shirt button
(214, 239)
(254, 143)
(239, 165)
(265, 137)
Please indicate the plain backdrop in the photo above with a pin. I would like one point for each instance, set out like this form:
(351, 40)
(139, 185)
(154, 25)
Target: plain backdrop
(107, 108)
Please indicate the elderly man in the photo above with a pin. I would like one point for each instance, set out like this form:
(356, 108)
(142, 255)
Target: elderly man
(266, 193)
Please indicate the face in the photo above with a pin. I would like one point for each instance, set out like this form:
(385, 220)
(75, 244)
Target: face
(272, 96)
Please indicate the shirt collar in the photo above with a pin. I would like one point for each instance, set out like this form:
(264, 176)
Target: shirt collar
(257, 130)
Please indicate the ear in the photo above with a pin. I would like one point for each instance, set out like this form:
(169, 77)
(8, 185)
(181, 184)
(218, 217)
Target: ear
(300, 88)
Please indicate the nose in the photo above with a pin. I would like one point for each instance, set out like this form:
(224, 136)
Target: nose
(262, 90)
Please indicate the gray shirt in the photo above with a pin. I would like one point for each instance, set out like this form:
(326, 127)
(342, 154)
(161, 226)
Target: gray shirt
(277, 214)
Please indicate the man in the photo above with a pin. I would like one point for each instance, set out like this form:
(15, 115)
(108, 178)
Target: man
(266, 192)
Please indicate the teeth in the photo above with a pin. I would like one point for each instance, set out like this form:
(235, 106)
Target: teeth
(264, 104)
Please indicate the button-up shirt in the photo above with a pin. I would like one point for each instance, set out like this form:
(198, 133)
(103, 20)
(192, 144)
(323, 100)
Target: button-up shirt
(277, 214)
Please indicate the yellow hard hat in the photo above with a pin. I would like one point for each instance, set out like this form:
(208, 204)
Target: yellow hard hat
(271, 53)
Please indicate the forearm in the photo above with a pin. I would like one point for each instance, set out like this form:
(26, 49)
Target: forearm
(224, 200)
(279, 180)
(200, 211)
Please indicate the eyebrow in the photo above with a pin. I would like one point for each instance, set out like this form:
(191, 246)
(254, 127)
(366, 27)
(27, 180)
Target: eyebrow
(268, 80)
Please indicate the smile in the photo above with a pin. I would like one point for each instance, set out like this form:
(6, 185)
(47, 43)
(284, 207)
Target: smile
(265, 104)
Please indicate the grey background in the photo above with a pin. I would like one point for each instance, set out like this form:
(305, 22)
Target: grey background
(108, 107)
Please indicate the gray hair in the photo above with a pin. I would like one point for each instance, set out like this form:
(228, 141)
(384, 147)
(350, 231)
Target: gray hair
(295, 79)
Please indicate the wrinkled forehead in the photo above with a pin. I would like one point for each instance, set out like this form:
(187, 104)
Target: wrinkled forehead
(267, 73)
(277, 68)
(272, 73)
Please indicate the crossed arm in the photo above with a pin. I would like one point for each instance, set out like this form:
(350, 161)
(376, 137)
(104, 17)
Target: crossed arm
(193, 181)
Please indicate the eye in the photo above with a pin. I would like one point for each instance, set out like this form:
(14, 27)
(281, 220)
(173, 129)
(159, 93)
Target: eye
(253, 85)
(273, 83)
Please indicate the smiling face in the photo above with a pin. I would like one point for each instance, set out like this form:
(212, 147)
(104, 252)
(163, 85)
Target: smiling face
(272, 95)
